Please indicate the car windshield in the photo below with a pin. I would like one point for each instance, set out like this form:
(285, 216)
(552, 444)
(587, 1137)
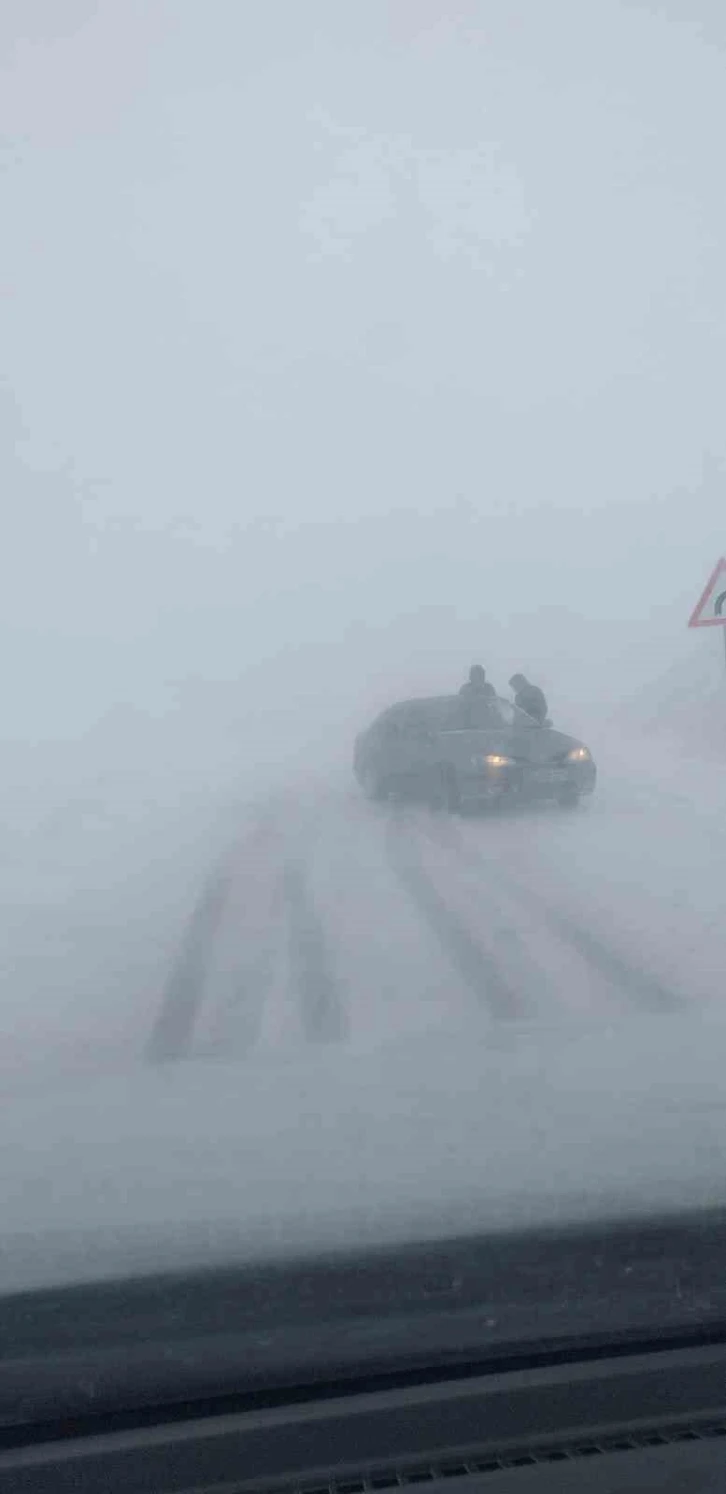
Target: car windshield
(363, 809)
(511, 716)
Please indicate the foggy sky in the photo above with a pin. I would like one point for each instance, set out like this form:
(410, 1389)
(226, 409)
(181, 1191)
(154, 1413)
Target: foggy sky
(345, 342)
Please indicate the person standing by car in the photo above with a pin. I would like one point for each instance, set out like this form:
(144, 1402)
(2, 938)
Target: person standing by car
(477, 698)
(477, 686)
(529, 698)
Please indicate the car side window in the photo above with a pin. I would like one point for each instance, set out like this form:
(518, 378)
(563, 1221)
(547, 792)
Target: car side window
(414, 721)
(419, 723)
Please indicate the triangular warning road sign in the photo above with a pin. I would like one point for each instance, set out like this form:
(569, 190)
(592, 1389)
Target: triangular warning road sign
(711, 609)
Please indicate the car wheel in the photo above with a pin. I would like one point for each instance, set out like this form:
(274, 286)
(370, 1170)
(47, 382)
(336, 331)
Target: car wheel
(569, 799)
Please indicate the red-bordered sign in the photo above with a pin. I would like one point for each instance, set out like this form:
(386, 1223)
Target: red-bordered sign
(711, 609)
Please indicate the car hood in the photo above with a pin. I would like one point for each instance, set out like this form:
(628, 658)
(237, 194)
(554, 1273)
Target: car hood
(544, 745)
(203, 1164)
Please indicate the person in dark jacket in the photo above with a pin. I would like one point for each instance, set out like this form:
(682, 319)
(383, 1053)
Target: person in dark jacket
(529, 698)
(478, 700)
(477, 686)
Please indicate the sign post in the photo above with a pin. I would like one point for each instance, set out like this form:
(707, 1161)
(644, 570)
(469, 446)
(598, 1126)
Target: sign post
(710, 610)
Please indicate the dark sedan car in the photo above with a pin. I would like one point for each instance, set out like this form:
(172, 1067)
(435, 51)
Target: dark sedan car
(452, 752)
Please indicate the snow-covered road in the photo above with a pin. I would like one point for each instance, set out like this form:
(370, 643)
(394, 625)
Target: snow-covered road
(145, 921)
(336, 921)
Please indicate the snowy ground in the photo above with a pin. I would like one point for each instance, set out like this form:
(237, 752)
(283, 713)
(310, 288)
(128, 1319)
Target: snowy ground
(359, 923)
(372, 996)
(145, 917)
(97, 879)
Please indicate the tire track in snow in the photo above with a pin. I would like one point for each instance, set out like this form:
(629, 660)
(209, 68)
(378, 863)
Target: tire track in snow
(173, 1030)
(628, 979)
(479, 969)
(235, 1017)
(323, 1010)
(185, 990)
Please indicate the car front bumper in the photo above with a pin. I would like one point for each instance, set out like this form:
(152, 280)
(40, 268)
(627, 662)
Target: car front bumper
(529, 781)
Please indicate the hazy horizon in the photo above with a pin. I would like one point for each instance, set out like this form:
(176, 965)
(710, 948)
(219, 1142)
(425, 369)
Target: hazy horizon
(345, 344)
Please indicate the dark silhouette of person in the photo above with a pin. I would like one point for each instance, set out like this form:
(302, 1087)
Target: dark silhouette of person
(529, 698)
(477, 686)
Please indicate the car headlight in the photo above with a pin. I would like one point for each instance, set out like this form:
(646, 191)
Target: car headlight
(492, 760)
(578, 755)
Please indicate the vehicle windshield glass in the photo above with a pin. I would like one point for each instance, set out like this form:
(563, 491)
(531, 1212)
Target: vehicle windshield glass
(363, 746)
(511, 716)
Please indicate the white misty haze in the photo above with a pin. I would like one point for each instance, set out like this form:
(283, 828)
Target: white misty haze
(347, 342)
(344, 343)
